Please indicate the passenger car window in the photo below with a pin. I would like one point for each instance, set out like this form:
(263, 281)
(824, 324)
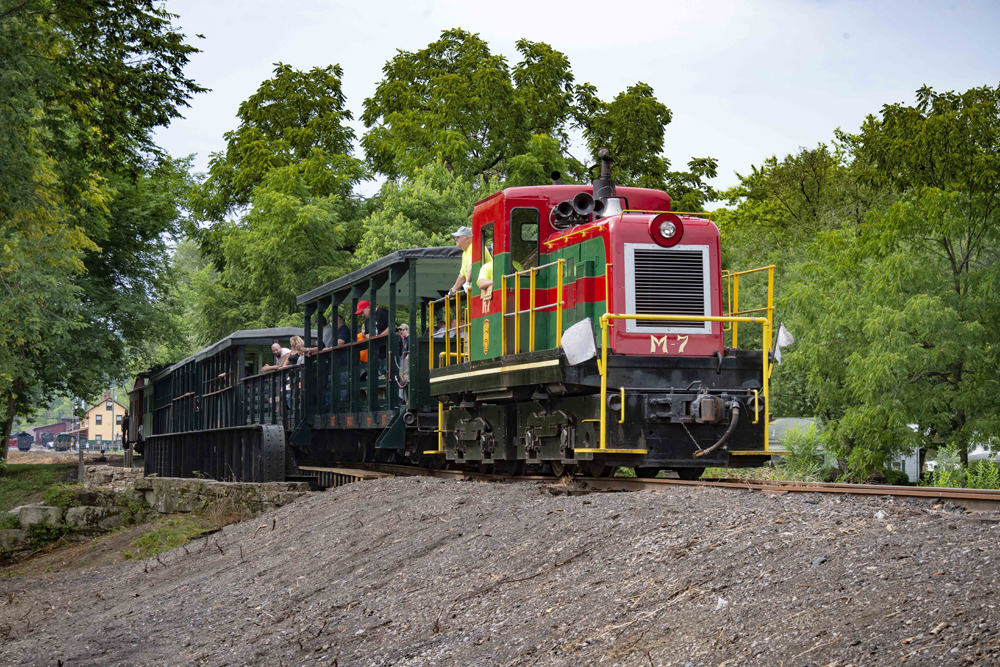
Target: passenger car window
(524, 237)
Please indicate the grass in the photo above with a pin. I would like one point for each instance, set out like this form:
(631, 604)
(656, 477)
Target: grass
(173, 533)
(774, 474)
(25, 483)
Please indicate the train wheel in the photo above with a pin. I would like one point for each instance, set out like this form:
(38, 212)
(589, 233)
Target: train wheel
(646, 473)
(485, 468)
(510, 468)
(689, 474)
(558, 468)
(597, 468)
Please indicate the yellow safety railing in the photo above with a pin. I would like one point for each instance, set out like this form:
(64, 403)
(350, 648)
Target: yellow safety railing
(602, 367)
(461, 330)
(732, 279)
(533, 308)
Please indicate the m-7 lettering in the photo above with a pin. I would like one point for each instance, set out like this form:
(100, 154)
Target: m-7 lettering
(654, 341)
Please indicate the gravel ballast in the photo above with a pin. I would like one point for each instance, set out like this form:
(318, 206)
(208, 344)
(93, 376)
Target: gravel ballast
(421, 571)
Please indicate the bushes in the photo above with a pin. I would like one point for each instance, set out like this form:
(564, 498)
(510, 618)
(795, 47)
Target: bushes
(983, 475)
(806, 460)
(897, 478)
(949, 472)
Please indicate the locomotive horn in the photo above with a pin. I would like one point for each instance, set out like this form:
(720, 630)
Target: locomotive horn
(564, 209)
(583, 204)
(598, 208)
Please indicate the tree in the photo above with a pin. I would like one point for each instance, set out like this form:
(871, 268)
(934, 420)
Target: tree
(295, 118)
(83, 86)
(419, 212)
(888, 251)
(453, 101)
(632, 128)
(279, 201)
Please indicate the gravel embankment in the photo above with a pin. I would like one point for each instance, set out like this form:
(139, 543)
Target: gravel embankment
(421, 571)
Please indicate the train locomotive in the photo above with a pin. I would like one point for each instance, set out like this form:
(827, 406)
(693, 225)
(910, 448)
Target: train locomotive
(604, 334)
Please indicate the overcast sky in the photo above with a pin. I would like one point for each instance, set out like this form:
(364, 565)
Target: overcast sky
(745, 80)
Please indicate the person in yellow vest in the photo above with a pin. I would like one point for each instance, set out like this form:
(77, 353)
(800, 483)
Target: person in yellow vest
(463, 239)
(485, 281)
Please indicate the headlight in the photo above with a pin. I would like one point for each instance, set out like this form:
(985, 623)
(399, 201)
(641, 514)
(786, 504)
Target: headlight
(666, 229)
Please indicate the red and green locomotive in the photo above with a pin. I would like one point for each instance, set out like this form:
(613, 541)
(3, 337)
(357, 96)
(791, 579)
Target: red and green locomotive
(660, 391)
(598, 330)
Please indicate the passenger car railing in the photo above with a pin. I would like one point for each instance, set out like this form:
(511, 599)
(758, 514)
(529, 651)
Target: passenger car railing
(274, 397)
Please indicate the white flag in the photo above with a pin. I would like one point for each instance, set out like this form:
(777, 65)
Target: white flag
(784, 339)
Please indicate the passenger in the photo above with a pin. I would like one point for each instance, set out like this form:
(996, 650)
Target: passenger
(440, 329)
(381, 318)
(281, 355)
(327, 337)
(404, 339)
(298, 351)
(485, 282)
(463, 239)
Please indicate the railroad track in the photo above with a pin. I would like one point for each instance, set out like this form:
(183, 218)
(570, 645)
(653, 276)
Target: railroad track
(978, 500)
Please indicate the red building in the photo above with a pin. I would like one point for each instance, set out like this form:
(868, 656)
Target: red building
(53, 429)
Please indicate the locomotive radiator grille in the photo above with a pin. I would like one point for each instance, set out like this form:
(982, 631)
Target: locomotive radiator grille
(667, 281)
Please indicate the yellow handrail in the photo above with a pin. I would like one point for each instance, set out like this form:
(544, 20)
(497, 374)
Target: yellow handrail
(559, 302)
(531, 310)
(531, 272)
(602, 367)
(503, 315)
(732, 279)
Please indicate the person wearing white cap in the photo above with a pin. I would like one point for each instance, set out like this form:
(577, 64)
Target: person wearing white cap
(463, 239)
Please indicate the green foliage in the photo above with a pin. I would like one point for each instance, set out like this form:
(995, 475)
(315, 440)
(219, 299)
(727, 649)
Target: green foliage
(287, 173)
(41, 534)
(949, 472)
(455, 101)
(297, 122)
(887, 249)
(9, 521)
(82, 191)
(983, 474)
(896, 478)
(806, 460)
(63, 495)
(24, 483)
(173, 533)
(421, 211)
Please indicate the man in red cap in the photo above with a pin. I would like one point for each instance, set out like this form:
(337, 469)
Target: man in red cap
(381, 318)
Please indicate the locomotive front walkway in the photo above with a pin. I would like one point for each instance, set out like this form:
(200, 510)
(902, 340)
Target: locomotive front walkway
(419, 571)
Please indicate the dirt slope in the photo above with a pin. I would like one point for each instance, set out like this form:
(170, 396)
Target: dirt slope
(427, 572)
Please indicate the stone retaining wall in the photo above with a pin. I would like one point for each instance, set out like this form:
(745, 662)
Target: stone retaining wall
(165, 495)
(175, 494)
(113, 476)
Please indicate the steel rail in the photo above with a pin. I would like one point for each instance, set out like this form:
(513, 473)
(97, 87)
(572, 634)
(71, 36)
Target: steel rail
(971, 499)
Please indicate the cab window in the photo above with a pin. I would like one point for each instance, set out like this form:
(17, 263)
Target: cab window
(486, 242)
(524, 237)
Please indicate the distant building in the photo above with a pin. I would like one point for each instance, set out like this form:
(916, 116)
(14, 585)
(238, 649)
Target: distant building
(102, 426)
(908, 463)
(52, 429)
